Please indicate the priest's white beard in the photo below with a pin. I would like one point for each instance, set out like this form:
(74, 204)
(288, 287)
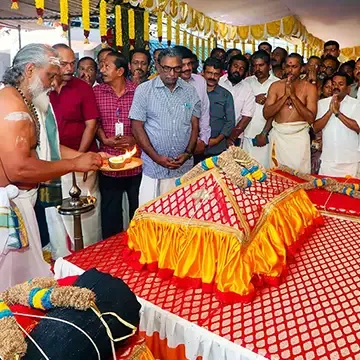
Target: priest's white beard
(39, 94)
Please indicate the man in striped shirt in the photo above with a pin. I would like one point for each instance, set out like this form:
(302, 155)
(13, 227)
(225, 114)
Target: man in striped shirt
(114, 98)
(165, 121)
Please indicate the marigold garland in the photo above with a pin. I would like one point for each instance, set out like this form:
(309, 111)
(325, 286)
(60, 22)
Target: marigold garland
(86, 19)
(159, 26)
(103, 22)
(131, 17)
(184, 38)
(64, 15)
(39, 5)
(197, 46)
(146, 29)
(191, 42)
(15, 5)
(225, 44)
(203, 49)
(118, 28)
(209, 46)
(169, 30)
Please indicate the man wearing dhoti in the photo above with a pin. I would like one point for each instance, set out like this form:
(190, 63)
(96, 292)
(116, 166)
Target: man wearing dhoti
(338, 118)
(29, 77)
(255, 140)
(293, 104)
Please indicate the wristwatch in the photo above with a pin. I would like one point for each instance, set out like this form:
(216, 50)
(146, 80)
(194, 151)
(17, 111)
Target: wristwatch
(189, 153)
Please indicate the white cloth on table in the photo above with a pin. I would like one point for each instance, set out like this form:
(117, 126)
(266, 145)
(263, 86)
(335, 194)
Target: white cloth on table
(17, 266)
(151, 188)
(290, 146)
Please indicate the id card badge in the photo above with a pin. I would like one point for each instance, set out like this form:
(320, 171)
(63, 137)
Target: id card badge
(119, 129)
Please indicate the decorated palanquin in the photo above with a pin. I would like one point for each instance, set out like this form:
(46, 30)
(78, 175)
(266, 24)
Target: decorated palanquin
(227, 227)
(91, 316)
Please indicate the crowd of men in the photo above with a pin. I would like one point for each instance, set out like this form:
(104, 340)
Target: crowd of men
(59, 116)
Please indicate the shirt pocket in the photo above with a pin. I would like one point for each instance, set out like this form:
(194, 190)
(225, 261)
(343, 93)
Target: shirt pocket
(218, 109)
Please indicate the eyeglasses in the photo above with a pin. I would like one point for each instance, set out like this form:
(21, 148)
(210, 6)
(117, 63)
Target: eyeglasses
(168, 69)
(328, 68)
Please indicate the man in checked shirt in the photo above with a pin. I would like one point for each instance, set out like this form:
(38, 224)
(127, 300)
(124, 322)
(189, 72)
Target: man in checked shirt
(114, 98)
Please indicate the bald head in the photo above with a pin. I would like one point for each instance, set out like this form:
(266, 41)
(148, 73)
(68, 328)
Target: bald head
(67, 61)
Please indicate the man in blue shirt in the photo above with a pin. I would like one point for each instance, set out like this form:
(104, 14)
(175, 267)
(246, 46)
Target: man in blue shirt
(165, 121)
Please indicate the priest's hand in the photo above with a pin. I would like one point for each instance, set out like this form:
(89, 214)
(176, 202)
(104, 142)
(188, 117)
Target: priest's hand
(87, 162)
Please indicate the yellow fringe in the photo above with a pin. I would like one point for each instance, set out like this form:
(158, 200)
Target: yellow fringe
(118, 26)
(14, 6)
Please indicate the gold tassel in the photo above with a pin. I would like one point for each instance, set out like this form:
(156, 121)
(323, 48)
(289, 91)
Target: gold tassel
(103, 22)
(225, 44)
(169, 30)
(191, 42)
(86, 19)
(159, 25)
(303, 49)
(15, 5)
(118, 27)
(203, 49)
(197, 45)
(253, 46)
(177, 34)
(39, 6)
(209, 46)
(64, 15)
(131, 16)
(146, 29)
(185, 38)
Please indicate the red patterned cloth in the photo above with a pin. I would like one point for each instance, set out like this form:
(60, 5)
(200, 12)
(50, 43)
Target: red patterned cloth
(113, 109)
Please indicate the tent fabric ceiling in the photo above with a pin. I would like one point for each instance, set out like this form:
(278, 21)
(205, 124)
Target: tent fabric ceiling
(325, 19)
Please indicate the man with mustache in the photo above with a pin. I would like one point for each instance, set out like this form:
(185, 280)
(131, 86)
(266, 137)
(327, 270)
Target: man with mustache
(199, 83)
(76, 113)
(338, 118)
(114, 98)
(292, 103)
(139, 66)
(28, 79)
(256, 133)
(222, 110)
(87, 70)
(278, 57)
(244, 98)
(328, 67)
(332, 48)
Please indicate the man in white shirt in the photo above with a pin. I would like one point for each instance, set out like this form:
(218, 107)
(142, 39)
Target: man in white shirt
(199, 83)
(339, 120)
(255, 141)
(244, 98)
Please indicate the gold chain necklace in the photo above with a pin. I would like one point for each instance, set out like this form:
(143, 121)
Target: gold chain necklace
(34, 114)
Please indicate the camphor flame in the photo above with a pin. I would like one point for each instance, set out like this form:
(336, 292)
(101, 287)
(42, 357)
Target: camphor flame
(90, 198)
(130, 153)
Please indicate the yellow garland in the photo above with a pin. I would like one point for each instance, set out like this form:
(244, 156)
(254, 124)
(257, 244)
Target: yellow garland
(203, 49)
(64, 12)
(209, 46)
(118, 27)
(296, 49)
(225, 44)
(103, 19)
(243, 47)
(253, 46)
(159, 24)
(197, 45)
(185, 38)
(191, 42)
(146, 28)
(169, 28)
(86, 17)
(131, 16)
(177, 34)
(40, 4)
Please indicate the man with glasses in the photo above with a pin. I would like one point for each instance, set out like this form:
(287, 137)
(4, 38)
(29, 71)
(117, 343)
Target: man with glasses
(244, 98)
(199, 84)
(165, 121)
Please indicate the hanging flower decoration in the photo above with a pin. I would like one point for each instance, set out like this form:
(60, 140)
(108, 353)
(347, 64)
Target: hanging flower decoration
(146, 29)
(203, 49)
(131, 16)
(103, 22)
(191, 42)
(209, 46)
(15, 4)
(64, 15)
(39, 5)
(86, 19)
(177, 34)
(197, 45)
(169, 30)
(185, 38)
(118, 28)
(159, 26)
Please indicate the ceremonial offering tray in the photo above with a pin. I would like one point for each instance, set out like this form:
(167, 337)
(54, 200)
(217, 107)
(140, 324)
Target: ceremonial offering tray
(134, 163)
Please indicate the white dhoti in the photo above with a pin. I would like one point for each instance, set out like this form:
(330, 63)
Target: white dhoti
(331, 168)
(260, 154)
(290, 146)
(20, 265)
(151, 188)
